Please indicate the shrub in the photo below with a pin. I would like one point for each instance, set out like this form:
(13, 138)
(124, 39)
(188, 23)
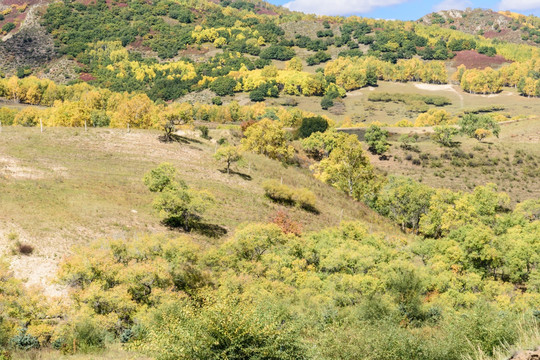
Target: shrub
(24, 249)
(311, 125)
(278, 192)
(305, 199)
(83, 335)
(286, 224)
(223, 86)
(217, 100)
(257, 95)
(327, 103)
(176, 203)
(286, 195)
(277, 52)
(8, 27)
(377, 139)
(444, 135)
(7, 116)
(225, 328)
(319, 57)
(204, 132)
(27, 117)
(24, 341)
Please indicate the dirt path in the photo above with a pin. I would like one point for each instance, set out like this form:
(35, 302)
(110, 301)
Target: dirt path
(444, 87)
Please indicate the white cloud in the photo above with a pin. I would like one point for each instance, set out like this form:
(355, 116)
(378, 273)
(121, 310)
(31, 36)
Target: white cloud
(519, 4)
(452, 5)
(339, 7)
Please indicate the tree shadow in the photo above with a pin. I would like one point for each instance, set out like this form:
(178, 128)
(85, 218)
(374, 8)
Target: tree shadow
(177, 138)
(210, 230)
(311, 209)
(242, 175)
(195, 225)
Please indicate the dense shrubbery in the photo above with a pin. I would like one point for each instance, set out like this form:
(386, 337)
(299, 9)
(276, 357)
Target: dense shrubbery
(409, 98)
(339, 293)
(277, 52)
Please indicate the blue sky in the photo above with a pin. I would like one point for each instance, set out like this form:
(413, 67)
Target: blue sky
(403, 9)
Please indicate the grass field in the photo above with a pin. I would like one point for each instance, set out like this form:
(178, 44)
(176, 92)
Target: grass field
(361, 110)
(511, 161)
(65, 187)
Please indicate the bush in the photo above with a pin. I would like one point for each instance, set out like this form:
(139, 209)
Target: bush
(225, 328)
(8, 27)
(286, 195)
(24, 341)
(24, 249)
(286, 224)
(217, 101)
(311, 125)
(319, 57)
(278, 192)
(204, 132)
(223, 86)
(257, 95)
(305, 199)
(278, 52)
(7, 116)
(377, 139)
(99, 118)
(83, 335)
(327, 103)
(487, 50)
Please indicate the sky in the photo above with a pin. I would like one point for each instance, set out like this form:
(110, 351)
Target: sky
(403, 9)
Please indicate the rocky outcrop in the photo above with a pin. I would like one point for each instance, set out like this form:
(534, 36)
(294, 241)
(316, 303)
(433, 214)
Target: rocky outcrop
(30, 46)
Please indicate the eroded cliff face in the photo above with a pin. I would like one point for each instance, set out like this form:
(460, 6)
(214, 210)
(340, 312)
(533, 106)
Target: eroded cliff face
(30, 46)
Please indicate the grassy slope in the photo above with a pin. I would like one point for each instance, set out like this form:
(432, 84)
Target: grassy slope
(511, 176)
(65, 187)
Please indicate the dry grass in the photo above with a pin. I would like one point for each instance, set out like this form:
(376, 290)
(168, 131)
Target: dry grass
(114, 352)
(360, 110)
(514, 173)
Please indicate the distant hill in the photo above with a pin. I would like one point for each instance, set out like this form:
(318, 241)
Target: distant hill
(504, 26)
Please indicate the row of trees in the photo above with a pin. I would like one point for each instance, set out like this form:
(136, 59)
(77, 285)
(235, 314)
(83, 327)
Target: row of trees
(80, 104)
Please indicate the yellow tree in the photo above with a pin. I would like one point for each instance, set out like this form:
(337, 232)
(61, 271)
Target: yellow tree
(268, 138)
(139, 112)
(348, 169)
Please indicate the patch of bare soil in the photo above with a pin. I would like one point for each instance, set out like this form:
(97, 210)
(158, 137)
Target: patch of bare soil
(472, 59)
(10, 167)
(527, 355)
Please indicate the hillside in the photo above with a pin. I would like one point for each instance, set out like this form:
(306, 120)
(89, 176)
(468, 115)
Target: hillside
(503, 25)
(81, 186)
(196, 179)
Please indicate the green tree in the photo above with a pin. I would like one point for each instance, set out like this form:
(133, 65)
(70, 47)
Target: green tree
(320, 144)
(8, 27)
(177, 204)
(223, 86)
(311, 125)
(404, 201)
(479, 126)
(327, 102)
(377, 139)
(444, 135)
